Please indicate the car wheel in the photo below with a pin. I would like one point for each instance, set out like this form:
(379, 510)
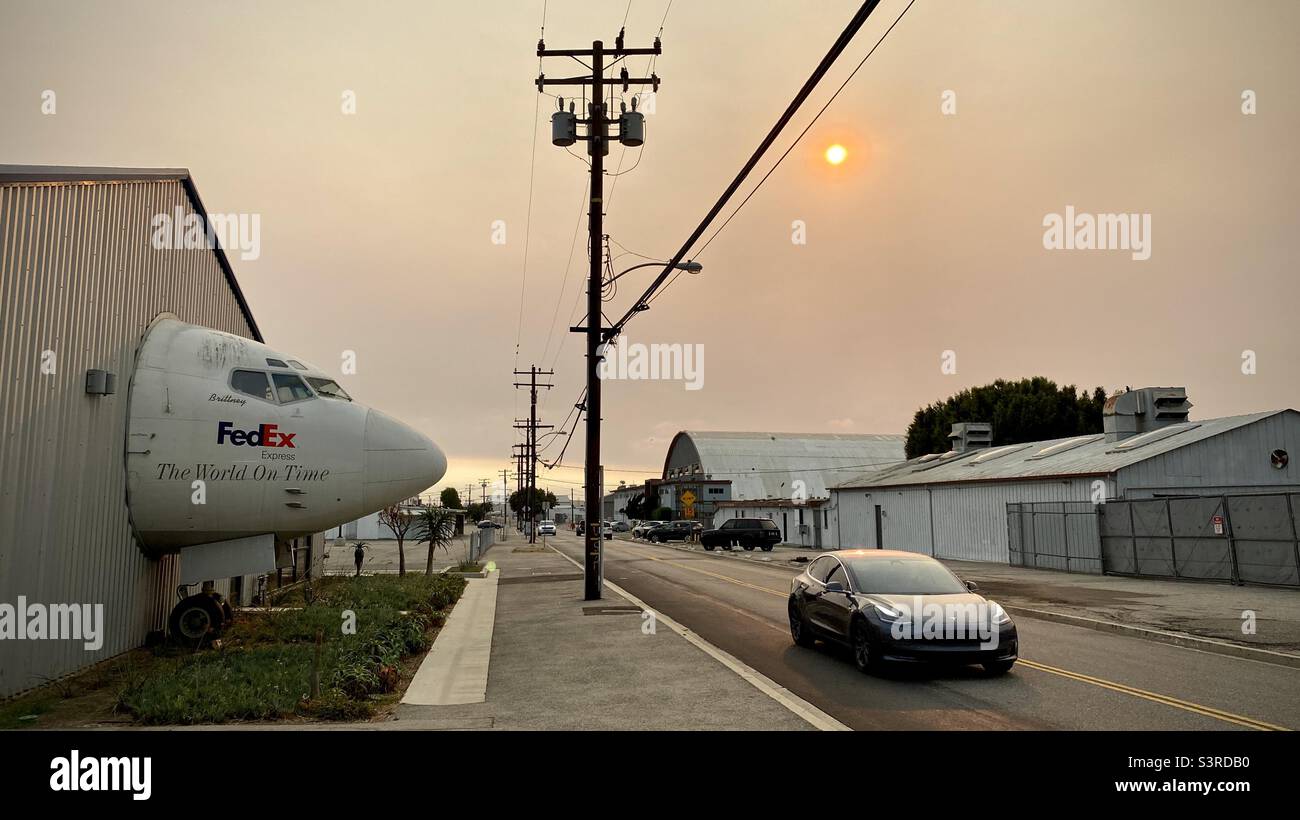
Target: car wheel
(748, 547)
(767, 548)
(708, 547)
(799, 630)
(864, 654)
(998, 667)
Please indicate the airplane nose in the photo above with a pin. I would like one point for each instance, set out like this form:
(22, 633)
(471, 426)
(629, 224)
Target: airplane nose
(400, 462)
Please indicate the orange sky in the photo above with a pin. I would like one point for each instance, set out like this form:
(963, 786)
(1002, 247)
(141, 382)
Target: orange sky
(376, 227)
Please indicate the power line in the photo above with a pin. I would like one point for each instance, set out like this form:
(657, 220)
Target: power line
(836, 49)
(807, 128)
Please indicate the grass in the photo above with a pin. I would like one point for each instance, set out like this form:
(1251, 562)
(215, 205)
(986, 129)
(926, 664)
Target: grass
(371, 629)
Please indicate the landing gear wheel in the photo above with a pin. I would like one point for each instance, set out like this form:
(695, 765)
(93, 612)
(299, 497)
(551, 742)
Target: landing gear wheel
(196, 619)
(799, 630)
(998, 667)
(864, 654)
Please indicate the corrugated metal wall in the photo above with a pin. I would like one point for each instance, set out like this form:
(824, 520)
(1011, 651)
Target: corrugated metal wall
(1233, 462)
(969, 520)
(79, 277)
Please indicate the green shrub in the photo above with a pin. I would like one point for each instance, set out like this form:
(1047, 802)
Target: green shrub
(336, 705)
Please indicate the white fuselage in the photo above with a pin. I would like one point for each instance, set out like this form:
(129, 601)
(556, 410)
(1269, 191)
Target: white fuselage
(214, 454)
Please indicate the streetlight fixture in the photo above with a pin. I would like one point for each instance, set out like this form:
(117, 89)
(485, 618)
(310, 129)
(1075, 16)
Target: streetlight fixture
(688, 266)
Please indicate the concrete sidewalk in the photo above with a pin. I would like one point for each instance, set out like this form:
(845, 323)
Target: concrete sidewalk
(1205, 610)
(559, 662)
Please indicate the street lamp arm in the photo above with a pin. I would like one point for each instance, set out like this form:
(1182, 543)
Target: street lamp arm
(688, 266)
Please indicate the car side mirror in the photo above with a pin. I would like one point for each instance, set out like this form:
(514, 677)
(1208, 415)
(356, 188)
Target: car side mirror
(834, 586)
(972, 586)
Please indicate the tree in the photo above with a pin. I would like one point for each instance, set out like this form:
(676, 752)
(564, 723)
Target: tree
(479, 510)
(434, 525)
(519, 500)
(450, 498)
(642, 507)
(397, 519)
(1025, 410)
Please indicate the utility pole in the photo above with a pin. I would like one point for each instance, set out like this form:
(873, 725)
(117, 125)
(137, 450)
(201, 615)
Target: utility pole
(532, 426)
(519, 482)
(564, 132)
(505, 502)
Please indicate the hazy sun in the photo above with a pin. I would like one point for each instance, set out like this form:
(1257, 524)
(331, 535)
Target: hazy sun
(836, 154)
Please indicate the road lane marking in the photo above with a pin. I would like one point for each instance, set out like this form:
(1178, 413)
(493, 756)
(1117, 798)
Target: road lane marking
(1207, 711)
(800, 707)
(1167, 700)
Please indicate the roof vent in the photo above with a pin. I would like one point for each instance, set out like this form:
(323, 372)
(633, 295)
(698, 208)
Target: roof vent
(974, 435)
(1134, 412)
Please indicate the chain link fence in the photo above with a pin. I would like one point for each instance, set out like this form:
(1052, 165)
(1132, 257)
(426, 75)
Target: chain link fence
(1060, 535)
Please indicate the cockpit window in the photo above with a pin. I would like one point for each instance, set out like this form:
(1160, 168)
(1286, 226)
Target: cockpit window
(275, 363)
(290, 388)
(251, 383)
(328, 388)
(297, 365)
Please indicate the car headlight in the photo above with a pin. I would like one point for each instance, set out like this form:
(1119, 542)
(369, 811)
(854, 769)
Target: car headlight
(886, 614)
(997, 614)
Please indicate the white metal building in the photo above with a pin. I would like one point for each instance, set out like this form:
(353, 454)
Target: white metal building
(782, 476)
(79, 285)
(953, 505)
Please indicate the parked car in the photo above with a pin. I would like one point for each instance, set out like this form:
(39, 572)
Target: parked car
(640, 529)
(486, 524)
(547, 527)
(877, 602)
(748, 533)
(670, 531)
(607, 531)
(621, 526)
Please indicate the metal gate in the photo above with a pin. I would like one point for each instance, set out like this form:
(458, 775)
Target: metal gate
(1058, 535)
(1238, 539)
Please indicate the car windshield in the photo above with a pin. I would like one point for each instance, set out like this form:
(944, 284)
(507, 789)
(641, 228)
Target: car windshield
(902, 576)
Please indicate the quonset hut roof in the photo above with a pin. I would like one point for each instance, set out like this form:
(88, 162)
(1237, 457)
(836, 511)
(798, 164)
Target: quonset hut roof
(765, 465)
(1090, 455)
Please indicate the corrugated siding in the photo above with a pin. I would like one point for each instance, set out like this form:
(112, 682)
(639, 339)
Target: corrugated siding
(79, 277)
(969, 521)
(1236, 461)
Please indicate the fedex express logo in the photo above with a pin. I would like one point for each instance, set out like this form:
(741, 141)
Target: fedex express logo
(266, 435)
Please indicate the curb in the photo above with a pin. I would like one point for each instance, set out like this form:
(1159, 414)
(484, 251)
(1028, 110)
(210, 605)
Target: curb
(1160, 636)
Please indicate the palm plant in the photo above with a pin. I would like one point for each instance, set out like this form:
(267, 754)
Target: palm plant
(435, 526)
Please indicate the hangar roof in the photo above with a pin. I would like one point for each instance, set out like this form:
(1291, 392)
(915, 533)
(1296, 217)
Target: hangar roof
(1075, 456)
(764, 465)
(70, 174)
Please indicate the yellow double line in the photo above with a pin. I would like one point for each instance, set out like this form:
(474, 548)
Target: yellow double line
(1154, 697)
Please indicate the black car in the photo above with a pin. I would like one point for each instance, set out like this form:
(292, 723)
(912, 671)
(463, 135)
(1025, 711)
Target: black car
(670, 531)
(749, 533)
(890, 606)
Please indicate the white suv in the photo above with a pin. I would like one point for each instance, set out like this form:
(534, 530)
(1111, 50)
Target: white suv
(547, 527)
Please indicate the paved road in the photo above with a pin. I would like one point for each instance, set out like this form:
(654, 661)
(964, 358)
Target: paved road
(1068, 678)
